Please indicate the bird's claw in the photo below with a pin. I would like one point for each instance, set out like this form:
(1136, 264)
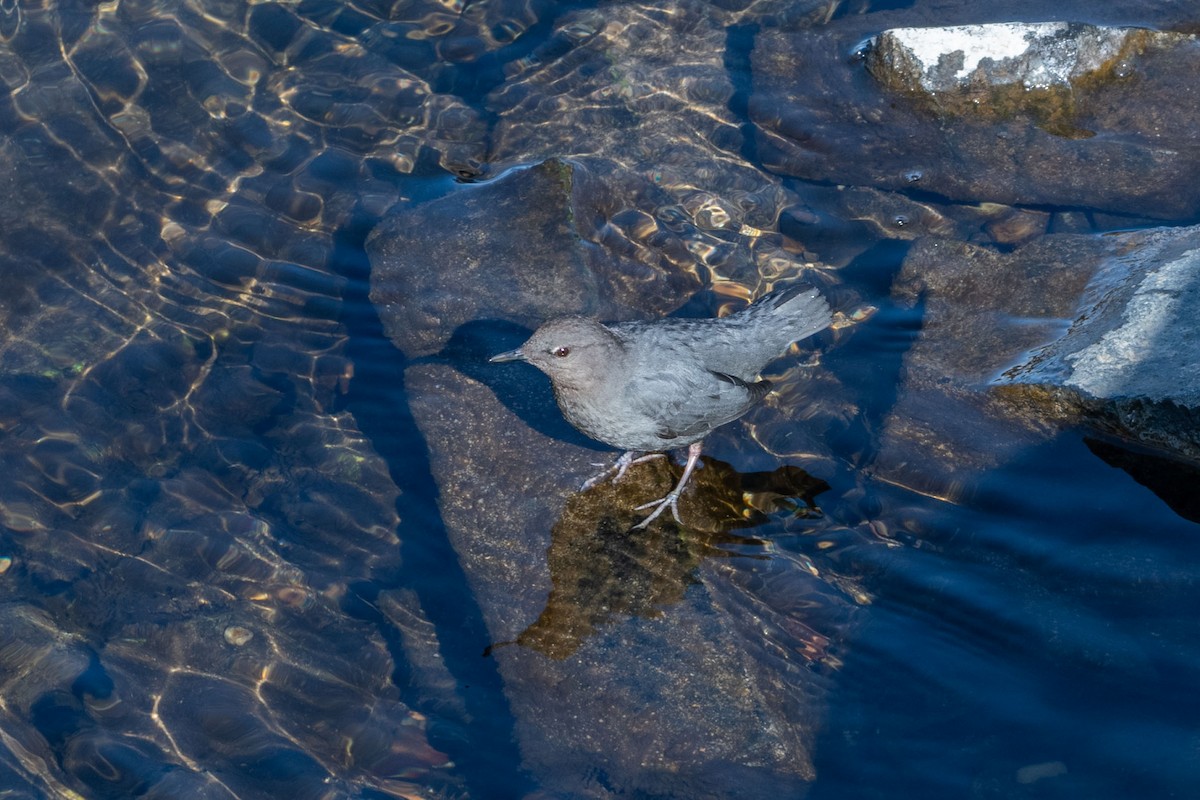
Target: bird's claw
(670, 501)
(623, 464)
(596, 480)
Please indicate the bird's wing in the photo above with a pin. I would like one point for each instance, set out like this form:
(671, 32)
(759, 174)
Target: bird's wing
(687, 404)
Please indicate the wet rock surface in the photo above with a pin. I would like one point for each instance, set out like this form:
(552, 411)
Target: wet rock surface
(662, 685)
(1130, 361)
(1113, 140)
(981, 310)
(1085, 320)
(539, 239)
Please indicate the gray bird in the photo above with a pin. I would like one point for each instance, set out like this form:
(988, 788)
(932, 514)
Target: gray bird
(646, 387)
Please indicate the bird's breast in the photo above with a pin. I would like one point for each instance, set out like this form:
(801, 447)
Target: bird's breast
(603, 416)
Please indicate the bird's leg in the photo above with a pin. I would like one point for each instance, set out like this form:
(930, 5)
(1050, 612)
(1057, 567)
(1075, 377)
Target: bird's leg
(627, 460)
(672, 500)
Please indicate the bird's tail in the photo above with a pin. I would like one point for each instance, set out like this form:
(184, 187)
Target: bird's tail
(787, 315)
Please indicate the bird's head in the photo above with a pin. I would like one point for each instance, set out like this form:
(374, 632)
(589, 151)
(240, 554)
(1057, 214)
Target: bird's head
(573, 351)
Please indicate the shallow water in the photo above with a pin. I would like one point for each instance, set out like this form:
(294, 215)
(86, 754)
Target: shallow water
(228, 567)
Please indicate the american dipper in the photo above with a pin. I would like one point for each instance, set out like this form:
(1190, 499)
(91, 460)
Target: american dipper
(646, 387)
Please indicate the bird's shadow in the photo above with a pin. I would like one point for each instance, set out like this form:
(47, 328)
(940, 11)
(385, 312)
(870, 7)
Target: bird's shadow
(522, 388)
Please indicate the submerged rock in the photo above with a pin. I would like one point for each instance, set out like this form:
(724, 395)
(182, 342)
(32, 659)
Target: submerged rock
(1130, 362)
(1101, 329)
(652, 657)
(980, 310)
(654, 91)
(1092, 118)
(603, 571)
(1172, 479)
(536, 243)
(171, 357)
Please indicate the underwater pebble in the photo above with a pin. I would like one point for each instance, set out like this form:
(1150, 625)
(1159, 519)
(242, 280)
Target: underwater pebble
(237, 636)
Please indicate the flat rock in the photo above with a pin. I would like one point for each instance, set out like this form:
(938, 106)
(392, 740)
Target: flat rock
(1130, 362)
(533, 244)
(646, 655)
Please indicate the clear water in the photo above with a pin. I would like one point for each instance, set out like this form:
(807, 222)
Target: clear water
(228, 564)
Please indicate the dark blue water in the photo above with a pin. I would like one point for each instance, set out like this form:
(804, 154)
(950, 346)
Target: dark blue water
(1044, 623)
(232, 562)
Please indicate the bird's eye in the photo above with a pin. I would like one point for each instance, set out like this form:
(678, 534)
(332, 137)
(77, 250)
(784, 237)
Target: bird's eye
(562, 352)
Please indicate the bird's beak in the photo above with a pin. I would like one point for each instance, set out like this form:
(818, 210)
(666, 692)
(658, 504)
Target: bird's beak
(511, 355)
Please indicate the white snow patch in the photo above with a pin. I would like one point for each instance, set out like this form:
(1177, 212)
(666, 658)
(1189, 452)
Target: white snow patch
(977, 42)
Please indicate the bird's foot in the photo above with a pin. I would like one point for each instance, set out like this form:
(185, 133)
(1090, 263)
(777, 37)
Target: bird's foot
(671, 501)
(622, 467)
(626, 461)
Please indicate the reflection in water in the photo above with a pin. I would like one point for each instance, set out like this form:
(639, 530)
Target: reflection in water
(602, 569)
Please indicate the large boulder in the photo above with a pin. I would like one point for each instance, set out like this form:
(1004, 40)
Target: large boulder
(979, 310)
(1068, 329)
(651, 658)
(527, 246)
(1130, 362)
(1047, 114)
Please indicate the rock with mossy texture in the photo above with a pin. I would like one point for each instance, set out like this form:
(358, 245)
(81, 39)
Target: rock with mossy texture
(1022, 114)
(1032, 55)
(1130, 362)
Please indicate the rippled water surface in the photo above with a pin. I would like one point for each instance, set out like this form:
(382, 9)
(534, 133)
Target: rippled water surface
(272, 527)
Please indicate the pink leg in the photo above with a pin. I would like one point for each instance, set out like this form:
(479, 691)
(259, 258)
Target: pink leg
(672, 500)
